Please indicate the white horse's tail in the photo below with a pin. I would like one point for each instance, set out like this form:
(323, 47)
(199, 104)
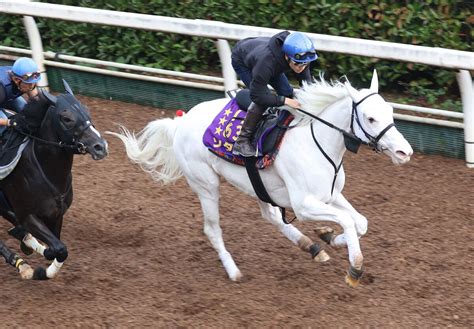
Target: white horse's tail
(152, 149)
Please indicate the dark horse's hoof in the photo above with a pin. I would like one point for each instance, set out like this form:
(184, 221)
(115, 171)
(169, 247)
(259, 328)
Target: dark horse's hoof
(40, 274)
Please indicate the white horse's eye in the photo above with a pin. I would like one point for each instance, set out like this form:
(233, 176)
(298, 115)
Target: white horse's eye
(371, 120)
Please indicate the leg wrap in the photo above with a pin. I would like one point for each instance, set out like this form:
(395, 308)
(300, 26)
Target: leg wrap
(327, 237)
(355, 273)
(314, 250)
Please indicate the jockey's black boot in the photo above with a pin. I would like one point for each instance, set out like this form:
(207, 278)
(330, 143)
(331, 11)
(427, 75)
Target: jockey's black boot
(243, 145)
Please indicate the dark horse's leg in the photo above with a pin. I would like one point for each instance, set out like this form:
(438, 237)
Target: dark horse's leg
(14, 260)
(56, 250)
(18, 232)
(6, 210)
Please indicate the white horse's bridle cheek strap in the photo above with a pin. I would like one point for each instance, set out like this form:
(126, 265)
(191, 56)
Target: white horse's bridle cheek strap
(358, 129)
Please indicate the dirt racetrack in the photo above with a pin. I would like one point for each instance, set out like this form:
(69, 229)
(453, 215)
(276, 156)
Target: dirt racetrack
(138, 256)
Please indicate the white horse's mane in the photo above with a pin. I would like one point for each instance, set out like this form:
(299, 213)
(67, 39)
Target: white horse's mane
(317, 96)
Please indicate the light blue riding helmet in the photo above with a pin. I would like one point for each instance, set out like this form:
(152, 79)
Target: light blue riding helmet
(26, 69)
(299, 48)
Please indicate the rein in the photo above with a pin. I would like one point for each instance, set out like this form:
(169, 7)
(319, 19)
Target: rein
(44, 141)
(75, 147)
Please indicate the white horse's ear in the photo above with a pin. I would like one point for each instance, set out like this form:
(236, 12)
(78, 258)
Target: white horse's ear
(354, 93)
(374, 84)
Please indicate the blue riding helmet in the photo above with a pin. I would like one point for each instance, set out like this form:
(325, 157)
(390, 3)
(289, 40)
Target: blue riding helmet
(26, 70)
(299, 48)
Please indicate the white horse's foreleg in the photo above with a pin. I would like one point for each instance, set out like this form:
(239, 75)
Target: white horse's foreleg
(273, 215)
(313, 209)
(360, 222)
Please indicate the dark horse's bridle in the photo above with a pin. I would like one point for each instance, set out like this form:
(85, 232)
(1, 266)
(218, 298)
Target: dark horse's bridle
(69, 141)
(351, 140)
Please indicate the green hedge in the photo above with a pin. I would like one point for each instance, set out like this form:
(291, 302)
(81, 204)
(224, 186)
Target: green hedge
(435, 23)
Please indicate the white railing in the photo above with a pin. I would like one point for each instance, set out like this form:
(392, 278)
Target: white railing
(447, 58)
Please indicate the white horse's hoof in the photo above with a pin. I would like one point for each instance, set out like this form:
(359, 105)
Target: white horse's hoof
(322, 257)
(236, 277)
(353, 276)
(352, 282)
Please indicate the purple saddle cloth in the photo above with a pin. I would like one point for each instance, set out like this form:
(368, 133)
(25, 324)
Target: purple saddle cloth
(222, 133)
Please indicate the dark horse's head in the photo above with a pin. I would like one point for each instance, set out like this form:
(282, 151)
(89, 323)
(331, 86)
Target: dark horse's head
(72, 123)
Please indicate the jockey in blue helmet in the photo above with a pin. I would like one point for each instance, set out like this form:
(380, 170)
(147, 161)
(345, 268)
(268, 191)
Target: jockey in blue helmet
(299, 48)
(262, 61)
(15, 81)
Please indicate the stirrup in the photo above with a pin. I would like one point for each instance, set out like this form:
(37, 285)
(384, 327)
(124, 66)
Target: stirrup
(245, 149)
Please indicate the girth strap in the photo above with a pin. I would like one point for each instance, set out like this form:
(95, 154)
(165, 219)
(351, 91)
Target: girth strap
(258, 186)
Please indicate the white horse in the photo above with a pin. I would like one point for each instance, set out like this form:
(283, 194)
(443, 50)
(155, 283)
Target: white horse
(304, 177)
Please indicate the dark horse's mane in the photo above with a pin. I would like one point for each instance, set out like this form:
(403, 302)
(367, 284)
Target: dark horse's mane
(32, 116)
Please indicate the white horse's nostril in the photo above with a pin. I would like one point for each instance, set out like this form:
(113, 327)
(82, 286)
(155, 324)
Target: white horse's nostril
(401, 154)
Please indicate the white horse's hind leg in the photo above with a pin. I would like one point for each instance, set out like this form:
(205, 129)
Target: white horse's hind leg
(273, 215)
(210, 208)
(208, 192)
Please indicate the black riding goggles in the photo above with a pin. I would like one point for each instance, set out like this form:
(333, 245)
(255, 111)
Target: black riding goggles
(27, 76)
(298, 63)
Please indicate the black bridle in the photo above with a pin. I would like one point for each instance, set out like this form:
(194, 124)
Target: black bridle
(373, 142)
(67, 140)
(351, 140)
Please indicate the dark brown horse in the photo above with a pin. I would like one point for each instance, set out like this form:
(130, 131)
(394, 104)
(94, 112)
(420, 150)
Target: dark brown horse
(39, 191)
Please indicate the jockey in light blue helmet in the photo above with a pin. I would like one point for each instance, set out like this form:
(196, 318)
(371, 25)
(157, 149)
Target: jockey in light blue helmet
(15, 81)
(26, 70)
(299, 48)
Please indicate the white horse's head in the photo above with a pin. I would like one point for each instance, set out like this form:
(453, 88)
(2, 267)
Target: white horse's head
(373, 123)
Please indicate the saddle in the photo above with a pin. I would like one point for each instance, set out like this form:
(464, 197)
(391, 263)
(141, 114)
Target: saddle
(222, 133)
(12, 145)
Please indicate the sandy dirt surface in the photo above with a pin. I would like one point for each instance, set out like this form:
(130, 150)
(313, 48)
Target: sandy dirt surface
(138, 256)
